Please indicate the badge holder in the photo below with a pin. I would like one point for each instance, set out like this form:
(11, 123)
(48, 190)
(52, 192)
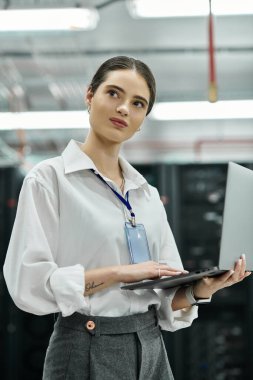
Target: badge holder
(137, 243)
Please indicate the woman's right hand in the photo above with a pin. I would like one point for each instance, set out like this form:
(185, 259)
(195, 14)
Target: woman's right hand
(144, 271)
(102, 278)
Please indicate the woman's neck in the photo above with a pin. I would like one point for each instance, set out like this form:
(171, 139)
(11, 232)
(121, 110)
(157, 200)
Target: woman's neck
(104, 156)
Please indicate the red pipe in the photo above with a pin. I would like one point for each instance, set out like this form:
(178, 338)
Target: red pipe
(212, 74)
(195, 145)
(199, 143)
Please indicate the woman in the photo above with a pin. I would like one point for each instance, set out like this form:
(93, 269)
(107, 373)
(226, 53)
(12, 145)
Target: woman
(68, 253)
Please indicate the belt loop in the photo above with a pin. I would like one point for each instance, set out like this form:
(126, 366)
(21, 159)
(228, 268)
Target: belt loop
(153, 309)
(97, 331)
(156, 316)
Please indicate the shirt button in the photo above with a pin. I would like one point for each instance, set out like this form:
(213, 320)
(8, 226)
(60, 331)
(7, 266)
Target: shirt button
(90, 325)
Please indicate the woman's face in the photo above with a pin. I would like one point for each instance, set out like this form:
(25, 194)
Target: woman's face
(119, 105)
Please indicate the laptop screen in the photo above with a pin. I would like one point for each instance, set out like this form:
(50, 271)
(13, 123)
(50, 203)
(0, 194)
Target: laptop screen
(237, 225)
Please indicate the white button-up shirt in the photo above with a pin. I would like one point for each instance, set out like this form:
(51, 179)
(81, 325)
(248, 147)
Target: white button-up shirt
(68, 221)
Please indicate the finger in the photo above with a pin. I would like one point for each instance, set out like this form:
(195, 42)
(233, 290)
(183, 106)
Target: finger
(164, 272)
(246, 274)
(232, 280)
(240, 269)
(227, 276)
(173, 269)
(207, 280)
(237, 271)
(243, 266)
(168, 268)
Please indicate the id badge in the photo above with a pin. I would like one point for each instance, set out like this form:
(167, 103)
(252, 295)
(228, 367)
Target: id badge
(137, 243)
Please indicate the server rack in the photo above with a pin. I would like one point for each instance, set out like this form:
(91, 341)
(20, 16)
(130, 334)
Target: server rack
(219, 344)
(23, 337)
(8, 202)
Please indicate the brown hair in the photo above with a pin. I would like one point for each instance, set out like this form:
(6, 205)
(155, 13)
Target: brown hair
(125, 63)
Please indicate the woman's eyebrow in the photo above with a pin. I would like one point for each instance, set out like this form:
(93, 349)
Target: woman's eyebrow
(123, 91)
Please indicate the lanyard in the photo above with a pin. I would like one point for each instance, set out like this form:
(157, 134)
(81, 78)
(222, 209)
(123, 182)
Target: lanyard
(123, 200)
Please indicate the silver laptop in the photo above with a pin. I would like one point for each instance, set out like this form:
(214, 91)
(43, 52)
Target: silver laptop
(236, 237)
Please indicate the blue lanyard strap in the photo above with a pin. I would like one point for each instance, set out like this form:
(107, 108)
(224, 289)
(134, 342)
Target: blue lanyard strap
(122, 199)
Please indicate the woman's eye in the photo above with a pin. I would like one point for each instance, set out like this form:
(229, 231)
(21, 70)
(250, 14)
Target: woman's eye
(138, 104)
(113, 93)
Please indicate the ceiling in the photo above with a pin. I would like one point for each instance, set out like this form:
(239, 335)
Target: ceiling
(51, 70)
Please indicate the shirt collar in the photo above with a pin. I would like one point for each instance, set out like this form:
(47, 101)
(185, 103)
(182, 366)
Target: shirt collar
(74, 159)
(133, 176)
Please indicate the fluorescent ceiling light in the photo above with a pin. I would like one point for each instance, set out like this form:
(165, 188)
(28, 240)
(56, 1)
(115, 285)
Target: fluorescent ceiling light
(232, 109)
(44, 120)
(48, 19)
(226, 109)
(186, 8)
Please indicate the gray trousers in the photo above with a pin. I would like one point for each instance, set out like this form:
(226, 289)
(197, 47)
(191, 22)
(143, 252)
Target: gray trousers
(103, 348)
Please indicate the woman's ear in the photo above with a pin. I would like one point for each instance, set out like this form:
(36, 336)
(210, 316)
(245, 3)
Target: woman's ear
(88, 97)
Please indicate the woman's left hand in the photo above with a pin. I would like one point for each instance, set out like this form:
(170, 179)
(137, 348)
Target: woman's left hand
(207, 286)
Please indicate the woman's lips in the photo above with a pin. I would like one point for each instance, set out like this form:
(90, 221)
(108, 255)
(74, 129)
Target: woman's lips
(118, 122)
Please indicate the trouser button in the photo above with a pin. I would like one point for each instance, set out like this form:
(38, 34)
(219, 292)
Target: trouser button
(90, 326)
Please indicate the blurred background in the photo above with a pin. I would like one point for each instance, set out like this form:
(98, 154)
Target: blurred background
(203, 118)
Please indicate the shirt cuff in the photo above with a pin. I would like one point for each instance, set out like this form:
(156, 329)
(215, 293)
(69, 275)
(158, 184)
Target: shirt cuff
(67, 285)
(174, 320)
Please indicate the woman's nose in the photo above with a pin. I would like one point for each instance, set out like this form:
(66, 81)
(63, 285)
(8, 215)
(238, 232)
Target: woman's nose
(123, 109)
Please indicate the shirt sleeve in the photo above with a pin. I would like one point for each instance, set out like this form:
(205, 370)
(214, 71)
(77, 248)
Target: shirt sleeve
(35, 282)
(168, 319)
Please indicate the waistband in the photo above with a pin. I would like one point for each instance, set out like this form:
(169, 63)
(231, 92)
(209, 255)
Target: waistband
(108, 325)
